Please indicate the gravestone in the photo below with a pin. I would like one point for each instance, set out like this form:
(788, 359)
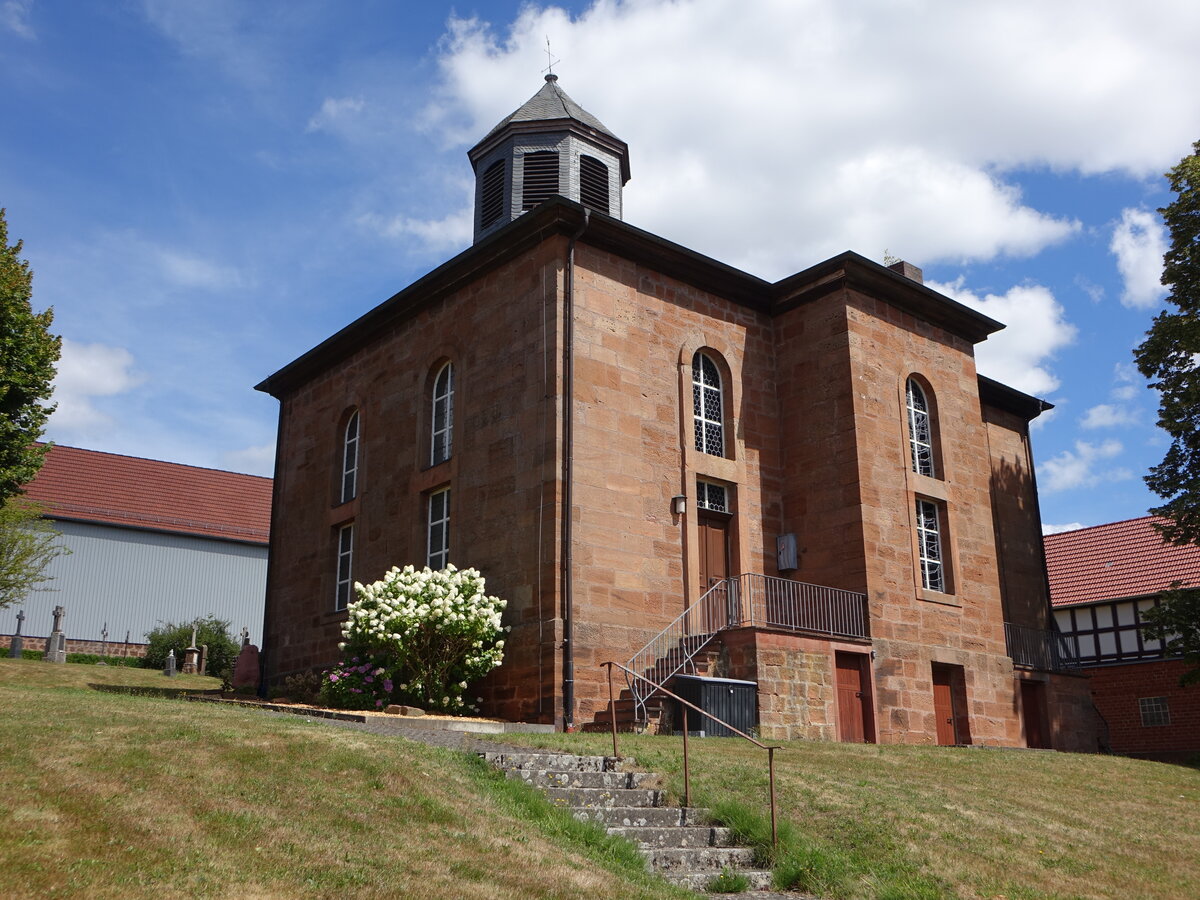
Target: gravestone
(204, 659)
(14, 648)
(169, 668)
(56, 644)
(191, 657)
(103, 645)
(245, 670)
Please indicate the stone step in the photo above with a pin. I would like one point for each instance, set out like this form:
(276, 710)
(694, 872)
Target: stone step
(558, 762)
(641, 816)
(759, 879)
(546, 779)
(699, 859)
(593, 798)
(679, 836)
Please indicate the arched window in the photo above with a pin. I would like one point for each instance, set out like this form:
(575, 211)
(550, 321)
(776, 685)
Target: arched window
(708, 407)
(491, 194)
(920, 430)
(443, 415)
(540, 181)
(593, 183)
(350, 459)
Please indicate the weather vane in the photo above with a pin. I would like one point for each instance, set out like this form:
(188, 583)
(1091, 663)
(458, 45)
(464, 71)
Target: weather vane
(550, 58)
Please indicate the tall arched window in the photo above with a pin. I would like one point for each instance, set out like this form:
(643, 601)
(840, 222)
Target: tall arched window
(708, 407)
(350, 459)
(443, 415)
(920, 430)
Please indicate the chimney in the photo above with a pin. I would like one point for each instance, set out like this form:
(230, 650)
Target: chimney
(908, 270)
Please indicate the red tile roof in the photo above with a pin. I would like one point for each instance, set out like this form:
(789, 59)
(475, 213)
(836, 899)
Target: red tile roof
(1120, 559)
(90, 486)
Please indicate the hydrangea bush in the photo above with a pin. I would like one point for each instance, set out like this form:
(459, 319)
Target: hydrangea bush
(357, 684)
(432, 632)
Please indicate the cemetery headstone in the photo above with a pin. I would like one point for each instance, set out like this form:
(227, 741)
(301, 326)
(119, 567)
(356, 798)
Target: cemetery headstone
(56, 644)
(169, 668)
(14, 647)
(245, 670)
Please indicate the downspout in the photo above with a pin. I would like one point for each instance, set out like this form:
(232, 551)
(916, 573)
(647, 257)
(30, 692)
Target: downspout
(568, 403)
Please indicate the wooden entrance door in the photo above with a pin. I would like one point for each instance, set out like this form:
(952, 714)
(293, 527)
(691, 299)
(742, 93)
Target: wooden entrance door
(1033, 714)
(943, 705)
(714, 549)
(855, 722)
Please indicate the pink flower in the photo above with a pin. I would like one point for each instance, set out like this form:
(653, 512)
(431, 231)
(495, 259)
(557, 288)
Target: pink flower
(333, 678)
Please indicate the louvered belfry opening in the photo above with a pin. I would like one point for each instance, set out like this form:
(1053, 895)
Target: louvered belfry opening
(541, 178)
(491, 200)
(593, 183)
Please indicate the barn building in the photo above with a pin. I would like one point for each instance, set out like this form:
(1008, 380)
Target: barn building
(150, 542)
(665, 462)
(1102, 579)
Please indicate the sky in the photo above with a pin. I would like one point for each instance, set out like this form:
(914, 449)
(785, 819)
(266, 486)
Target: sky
(208, 189)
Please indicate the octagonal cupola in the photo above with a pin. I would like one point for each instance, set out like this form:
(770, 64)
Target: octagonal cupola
(549, 146)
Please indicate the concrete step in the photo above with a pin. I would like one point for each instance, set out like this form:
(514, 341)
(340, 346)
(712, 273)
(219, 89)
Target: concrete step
(593, 798)
(679, 836)
(558, 762)
(760, 879)
(642, 816)
(609, 780)
(699, 859)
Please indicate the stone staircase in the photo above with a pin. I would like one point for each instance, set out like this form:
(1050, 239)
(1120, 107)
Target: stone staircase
(676, 841)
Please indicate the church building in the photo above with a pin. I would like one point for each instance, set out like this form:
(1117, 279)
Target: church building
(665, 462)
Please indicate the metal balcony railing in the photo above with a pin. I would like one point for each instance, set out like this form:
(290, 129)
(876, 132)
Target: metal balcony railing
(1039, 648)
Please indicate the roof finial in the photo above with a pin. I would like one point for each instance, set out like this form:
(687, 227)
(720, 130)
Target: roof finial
(549, 70)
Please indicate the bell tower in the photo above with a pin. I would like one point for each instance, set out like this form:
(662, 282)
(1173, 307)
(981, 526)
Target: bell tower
(549, 146)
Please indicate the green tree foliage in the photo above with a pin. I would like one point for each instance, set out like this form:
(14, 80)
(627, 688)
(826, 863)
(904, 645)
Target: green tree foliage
(222, 649)
(1170, 358)
(27, 545)
(1177, 624)
(28, 354)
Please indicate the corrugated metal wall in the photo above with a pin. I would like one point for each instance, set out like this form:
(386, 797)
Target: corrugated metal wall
(133, 580)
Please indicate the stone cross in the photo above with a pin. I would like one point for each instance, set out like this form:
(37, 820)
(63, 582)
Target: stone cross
(103, 645)
(59, 612)
(193, 644)
(245, 635)
(56, 644)
(16, 644)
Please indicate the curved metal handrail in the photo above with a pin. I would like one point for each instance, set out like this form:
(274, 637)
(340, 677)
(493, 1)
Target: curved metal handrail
(686, 705)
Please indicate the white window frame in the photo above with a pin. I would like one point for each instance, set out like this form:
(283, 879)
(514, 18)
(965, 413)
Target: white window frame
(711, 496)
(437, 554)
(344, 573)
(931, 546)
(442, 416)
(350, 458)
(920, 429)
(710, 433)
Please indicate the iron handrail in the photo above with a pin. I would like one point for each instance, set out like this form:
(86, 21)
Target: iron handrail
(687, 786)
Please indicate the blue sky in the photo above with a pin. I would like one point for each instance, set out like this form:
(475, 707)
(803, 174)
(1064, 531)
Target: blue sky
(207, 189)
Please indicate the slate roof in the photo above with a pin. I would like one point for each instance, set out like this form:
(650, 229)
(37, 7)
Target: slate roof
(1113, 561)
(551, 102)
(90, 486)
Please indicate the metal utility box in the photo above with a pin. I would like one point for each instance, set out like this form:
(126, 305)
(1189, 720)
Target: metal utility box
(728, 699)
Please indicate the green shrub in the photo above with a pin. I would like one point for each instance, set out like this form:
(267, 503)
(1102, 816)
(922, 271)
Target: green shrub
(93, 658)
(222, 649)
(302, 687)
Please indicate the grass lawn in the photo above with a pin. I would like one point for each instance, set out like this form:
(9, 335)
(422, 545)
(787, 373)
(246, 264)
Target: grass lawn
(109, 794)
(901, 822)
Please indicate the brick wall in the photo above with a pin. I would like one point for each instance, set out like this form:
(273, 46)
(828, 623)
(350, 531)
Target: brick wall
(111, 648)
(1116, 691)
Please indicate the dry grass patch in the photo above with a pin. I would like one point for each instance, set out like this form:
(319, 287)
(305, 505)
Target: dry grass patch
(970, 823)
(113, 795)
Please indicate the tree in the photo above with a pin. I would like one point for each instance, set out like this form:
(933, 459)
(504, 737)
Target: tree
(1170, 358)
(27, 545)
(28, 354)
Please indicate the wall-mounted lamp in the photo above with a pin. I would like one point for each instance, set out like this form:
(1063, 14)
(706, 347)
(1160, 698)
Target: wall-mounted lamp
(679, 504)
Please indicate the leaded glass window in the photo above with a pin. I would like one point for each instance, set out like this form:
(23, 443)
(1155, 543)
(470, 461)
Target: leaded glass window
(443, 415)
(708, 406)
(350, 459)
(712, 497)
(929, 544)
(920, 432)
(345, 559)
(439, 529)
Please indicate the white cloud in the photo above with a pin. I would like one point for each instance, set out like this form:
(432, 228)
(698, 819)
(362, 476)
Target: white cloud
(1107, 415)
(334, 112)
(14, 15)
(186, 270)
(1078, 468)
(258, 460)
(449, 232)
(1059, 529)
(1139, 242)
(744, 157)
(85, 372)
(1036, 327)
